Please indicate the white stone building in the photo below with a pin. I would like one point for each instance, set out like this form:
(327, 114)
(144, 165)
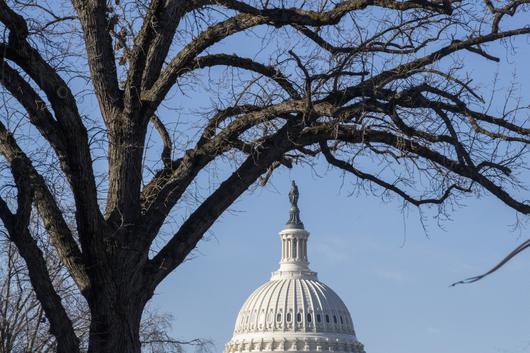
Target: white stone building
(294, 311)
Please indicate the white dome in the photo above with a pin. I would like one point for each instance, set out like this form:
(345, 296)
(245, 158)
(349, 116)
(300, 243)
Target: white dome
(294, 311)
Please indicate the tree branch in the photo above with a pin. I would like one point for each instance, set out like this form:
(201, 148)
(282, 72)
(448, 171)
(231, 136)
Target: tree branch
(77, 158)
(353, 135)
(60, 234)
(193, 229)
(410, 68)
(385, 185)
(17, 226)
(525, 245)
(101, 60)
(155, 38)
(16, 23)
(251, 17)
(247, 64)
(166, 140)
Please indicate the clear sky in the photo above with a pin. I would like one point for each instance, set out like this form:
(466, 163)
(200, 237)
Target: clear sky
(393, 277)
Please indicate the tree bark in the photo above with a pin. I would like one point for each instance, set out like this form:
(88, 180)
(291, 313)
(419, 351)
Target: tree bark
(115, 322)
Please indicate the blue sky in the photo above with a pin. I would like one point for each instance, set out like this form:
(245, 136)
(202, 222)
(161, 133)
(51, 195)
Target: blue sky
(393, 277)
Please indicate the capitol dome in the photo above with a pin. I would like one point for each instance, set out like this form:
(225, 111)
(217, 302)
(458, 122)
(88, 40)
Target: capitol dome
(294, 311)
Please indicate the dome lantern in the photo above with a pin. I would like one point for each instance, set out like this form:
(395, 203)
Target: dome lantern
(294, 237)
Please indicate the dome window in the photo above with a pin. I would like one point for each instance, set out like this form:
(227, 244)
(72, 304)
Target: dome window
(327, 318)
(279, 317)
(341, 321)
(334, 319)
(309, 318)
(318, 318)
(298, 317)
(288, 317)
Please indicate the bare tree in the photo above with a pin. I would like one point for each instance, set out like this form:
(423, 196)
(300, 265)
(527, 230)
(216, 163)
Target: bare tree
(22, 321)
(376, 88)
(23, 324)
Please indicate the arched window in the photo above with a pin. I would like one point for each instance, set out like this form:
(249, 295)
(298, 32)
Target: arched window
(294, 249)
(279, 317)
(318, 317)
(309, 318)
(334, 319)
(341, 321)
(327, 318)
(288, 317)
(298, 317)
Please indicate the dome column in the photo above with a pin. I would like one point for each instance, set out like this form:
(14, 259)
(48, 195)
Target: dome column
(294, 248)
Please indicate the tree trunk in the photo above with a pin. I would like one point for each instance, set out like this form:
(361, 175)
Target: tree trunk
(115, 325)
(116, 305)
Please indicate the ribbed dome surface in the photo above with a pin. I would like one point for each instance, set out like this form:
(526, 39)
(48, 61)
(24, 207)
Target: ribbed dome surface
(297, 305)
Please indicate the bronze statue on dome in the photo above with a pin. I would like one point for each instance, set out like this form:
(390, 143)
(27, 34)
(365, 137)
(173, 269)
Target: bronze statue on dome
(293, 194)
(294, 213)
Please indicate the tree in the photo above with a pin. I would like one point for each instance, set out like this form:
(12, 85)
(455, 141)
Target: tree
(23, 324)
(348, 81)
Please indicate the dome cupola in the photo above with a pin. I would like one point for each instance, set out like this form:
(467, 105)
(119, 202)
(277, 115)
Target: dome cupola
(294, 311)
(293, 262)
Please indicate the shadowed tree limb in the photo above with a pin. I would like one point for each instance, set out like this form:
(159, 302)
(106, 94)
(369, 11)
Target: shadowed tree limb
(17, 227)
(510, 9)
(185, 240)
(102, 62)
(348, 134)
(251, 17)
(386, 185)
(166, 140)
(524, 245)
(77, 161)
(58, 230)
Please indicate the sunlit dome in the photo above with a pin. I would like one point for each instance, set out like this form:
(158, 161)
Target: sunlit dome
(294, 311)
